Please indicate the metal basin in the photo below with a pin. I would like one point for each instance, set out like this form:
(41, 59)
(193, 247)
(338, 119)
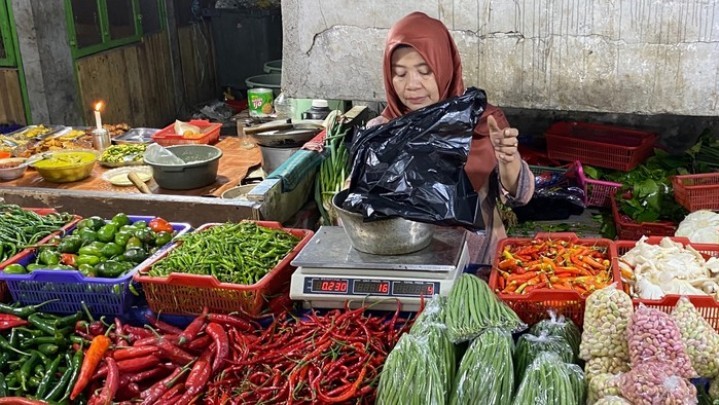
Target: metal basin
(396, 236)
(297, 135)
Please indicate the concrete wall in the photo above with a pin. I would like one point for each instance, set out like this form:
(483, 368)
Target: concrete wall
(47, 61)
(615, 56)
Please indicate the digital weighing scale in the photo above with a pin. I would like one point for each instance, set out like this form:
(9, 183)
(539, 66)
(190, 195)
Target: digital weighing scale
(330, 272)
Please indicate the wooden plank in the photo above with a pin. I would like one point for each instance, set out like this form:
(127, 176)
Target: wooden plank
(11, 106)
(158, 58)
(189, 68)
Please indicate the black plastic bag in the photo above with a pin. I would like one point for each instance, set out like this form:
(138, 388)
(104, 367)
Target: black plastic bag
(556, 196)
(413, 167)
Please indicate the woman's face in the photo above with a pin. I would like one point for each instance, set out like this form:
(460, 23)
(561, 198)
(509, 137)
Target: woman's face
(412, 79)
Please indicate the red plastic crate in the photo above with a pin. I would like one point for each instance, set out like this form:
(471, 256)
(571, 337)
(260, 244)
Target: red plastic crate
(707, 306)
(628, 229)
(598, 191)
(167, 136)
(697, 191)
(599, 145)
(188, 293)
(534, 306)
(4, 292)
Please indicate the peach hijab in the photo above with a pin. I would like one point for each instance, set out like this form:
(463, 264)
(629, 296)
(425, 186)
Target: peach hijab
(432, 40)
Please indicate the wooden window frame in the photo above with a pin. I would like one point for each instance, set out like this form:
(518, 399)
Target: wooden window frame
(6, 27)
(107, 42)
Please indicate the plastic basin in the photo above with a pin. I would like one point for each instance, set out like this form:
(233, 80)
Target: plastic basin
(271, 81)
(199, 170)
(273, 66)
(66, 166)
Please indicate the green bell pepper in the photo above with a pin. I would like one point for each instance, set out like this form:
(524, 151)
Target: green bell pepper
(15, 268)
(135, 255)
(111, 249)
(49, 256)
(133, 243)
(112, 269)
(146, 235)
(163, 238)
(121, 219)
(107, 232)
(121, 237)
(93, 249)
(87, 270)
(70, 244)
(87, 236)
(87, 259)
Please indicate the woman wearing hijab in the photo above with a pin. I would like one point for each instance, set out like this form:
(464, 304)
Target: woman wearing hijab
(421, 67)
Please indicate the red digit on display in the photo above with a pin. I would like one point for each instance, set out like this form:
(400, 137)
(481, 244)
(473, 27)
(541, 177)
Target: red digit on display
(430, 290)
(384, 288)
(325, 286)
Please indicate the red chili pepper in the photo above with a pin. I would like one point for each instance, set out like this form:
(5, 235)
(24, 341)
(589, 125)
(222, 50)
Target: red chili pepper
(163, 326)
(68, 259)
(197, 379)
(222, 344)
(119, 333)
(93, 356)
(112, 382)
(136, 333)
(173, 353)
(20, 401)
(193, 328)
(155, 340)
(200, 343)
(151, 395)
(8, 321)
(130, 365)
(133, 352)
(230, 320)
(171, 392)
(348, 393)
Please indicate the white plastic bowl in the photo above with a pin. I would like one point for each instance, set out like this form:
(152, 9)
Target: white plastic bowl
(14, 172)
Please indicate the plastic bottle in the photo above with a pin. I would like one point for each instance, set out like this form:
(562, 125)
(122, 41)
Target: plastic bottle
(319, 111)
(283, 107)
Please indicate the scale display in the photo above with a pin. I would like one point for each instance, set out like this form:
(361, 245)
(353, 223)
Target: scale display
(351, 286)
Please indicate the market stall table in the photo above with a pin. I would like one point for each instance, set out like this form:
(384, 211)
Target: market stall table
(234, 166)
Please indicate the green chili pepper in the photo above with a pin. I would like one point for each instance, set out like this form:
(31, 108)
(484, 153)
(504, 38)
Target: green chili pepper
(45, 325)
(48, 349)
(36, 341)
(69, 320)
(27, 368)
(73, 372)
(3, 386)
(49, 374)
(23, 312)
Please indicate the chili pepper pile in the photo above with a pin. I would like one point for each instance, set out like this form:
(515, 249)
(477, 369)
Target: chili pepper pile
(159, 364)
(321, 359)
(239, 253)
(553, 264)
(20, 228)
(37, 358)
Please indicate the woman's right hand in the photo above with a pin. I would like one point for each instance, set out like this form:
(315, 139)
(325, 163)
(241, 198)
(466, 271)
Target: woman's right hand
(378, 120)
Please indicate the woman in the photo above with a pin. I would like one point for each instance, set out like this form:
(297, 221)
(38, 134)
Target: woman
(421, 67)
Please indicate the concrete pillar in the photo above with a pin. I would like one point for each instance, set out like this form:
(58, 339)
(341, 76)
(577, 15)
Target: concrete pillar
(47, 61)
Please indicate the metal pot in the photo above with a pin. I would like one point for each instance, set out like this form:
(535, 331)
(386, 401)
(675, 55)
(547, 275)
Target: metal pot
(395, 236)
(283, 134)
(273, 157)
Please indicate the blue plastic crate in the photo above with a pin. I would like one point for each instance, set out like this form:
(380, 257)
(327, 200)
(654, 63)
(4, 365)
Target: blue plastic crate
(103, 296)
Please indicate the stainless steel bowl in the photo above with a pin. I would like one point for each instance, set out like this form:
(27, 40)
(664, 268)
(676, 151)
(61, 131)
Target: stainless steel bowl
(395, 236)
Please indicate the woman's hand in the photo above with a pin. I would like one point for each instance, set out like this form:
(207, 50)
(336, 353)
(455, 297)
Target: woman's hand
(378, 120)
(505, 141)
(505, 144)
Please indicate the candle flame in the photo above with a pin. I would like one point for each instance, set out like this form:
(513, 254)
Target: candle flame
(98, 106)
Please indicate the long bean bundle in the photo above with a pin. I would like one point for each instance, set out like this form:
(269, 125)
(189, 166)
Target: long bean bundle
(411, 375)
(485, 374)
(472, 307)
(238, 253)
(20, 228)
(430, 325)
(548, 381)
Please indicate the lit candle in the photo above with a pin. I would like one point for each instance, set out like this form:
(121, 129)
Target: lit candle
(98, 119)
